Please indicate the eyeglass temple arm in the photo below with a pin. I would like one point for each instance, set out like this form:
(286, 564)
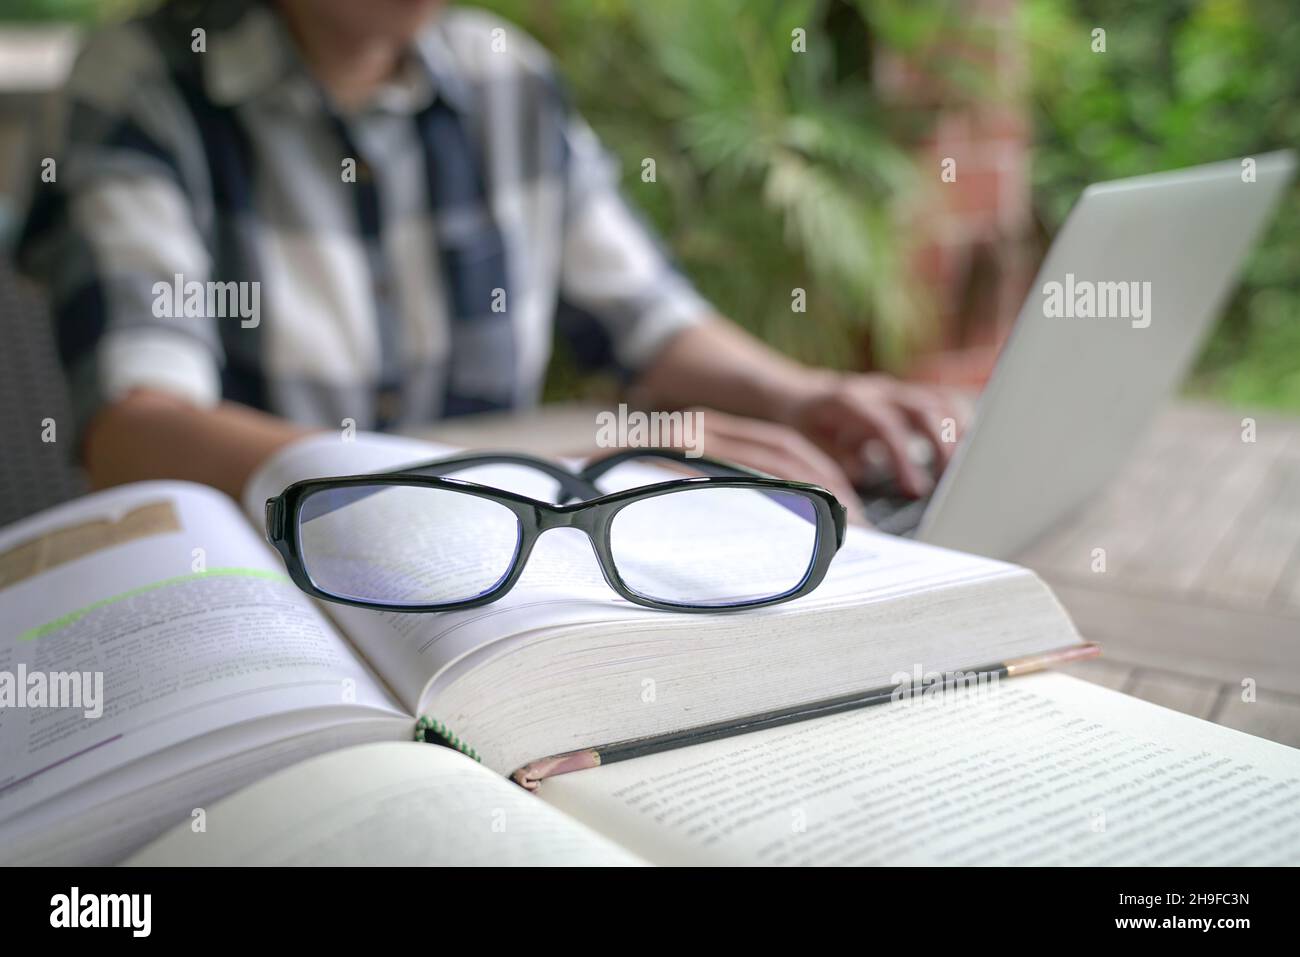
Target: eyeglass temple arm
(700, 463)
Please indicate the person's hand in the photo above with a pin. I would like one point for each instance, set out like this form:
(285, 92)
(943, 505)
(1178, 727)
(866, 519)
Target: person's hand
(841, 413)
(777, 450)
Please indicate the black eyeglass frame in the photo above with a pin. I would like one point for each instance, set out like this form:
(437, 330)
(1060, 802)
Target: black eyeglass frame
(593, 516)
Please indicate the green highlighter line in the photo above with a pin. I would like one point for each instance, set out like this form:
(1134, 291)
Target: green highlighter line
(41, 631)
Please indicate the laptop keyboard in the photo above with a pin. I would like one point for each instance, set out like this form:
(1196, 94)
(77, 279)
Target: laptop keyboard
(895, 515)
(887, 509)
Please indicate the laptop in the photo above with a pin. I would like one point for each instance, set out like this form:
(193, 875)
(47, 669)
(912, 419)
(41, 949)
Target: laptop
(1118, 312)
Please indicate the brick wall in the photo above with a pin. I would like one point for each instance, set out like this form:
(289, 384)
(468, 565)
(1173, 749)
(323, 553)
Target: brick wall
(977, 248)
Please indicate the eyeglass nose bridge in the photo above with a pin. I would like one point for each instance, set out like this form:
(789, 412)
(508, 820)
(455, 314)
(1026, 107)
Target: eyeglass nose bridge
(548, 517)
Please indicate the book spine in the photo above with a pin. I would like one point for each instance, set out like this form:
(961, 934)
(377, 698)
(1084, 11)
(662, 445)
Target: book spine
(432, 731)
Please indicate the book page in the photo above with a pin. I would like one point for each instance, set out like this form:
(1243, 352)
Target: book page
(562, 586)
(408, 805)
(1043, 769)
(146, 616)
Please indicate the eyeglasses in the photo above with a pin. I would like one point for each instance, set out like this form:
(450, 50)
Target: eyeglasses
(415, 540)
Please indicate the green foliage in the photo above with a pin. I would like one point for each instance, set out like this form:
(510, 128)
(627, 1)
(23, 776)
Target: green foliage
(779, 170)
(775, 170)
(1181, 82)
(32, 11)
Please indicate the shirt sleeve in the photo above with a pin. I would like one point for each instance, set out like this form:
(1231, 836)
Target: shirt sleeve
(612, 268)
(111, 234)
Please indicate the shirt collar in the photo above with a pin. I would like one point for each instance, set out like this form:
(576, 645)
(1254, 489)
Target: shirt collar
(248, 57)
(434, 55)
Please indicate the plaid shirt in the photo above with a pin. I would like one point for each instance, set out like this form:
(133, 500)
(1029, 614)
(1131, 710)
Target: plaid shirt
(409, 260)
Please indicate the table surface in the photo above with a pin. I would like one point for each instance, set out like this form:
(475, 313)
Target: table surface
(1200, 596)
(1198, 601)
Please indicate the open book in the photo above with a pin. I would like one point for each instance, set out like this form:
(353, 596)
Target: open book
(1041, 770)
(216, 671)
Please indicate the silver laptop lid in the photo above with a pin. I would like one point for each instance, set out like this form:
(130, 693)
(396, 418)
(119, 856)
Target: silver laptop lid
(1116, 315)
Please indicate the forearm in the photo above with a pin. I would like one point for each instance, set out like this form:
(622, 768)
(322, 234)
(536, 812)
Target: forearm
(153, 435)
(720, 365)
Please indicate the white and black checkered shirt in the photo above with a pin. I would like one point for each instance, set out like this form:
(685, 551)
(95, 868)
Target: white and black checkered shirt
(411, 257)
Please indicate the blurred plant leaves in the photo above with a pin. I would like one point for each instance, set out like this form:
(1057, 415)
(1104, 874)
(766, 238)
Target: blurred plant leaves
(776, 169)
(1181, 82)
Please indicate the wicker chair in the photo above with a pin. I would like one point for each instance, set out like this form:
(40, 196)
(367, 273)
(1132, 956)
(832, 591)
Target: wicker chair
(33, 474)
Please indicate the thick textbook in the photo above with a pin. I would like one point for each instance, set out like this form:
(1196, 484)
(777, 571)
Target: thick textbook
(217, 672)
